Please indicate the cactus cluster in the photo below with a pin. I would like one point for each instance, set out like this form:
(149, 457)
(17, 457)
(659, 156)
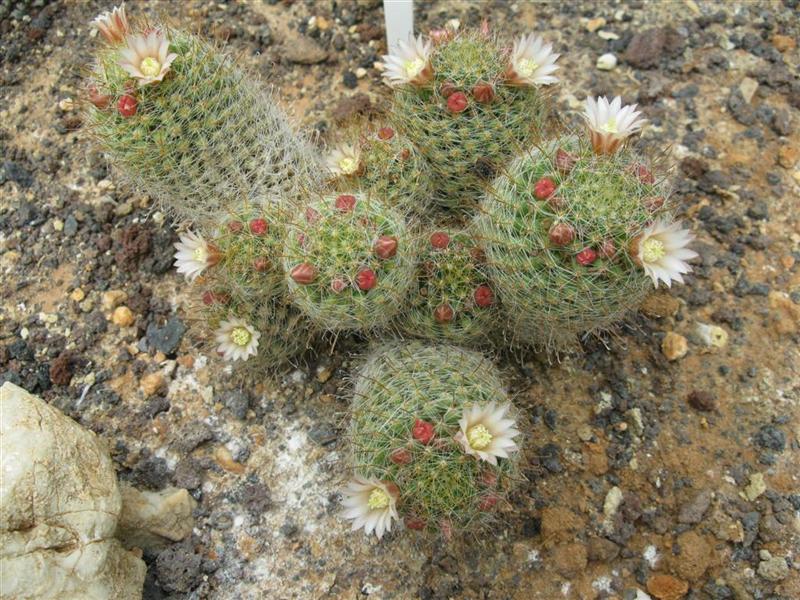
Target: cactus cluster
(407, 432)
(550, 239)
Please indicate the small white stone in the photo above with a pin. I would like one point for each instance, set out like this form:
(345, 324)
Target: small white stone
(607, 35)
(66, 104)
(748, 88)
(607, 62)
(712, 336)
(361, 72)
(58, 225)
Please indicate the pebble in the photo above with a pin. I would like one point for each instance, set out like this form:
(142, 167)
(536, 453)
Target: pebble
(660, 305)
(77, 295)
(58, 225)
(692, 512)
(607, 62)
(756, 487)
(607, 35)
(667, 587)
(304, 51)
(712, 336)
(323, 434)
(585, 433)
(152, 383)
(595, 24)
(783, 43)
(611, 505)
(123, 316)
(225, 459)
(166, 339)
(702, 400)
(66, 105)
(787, 156)
(674, 346)
(748, 88)
(773, 569)
(361, 72)
(113, 298)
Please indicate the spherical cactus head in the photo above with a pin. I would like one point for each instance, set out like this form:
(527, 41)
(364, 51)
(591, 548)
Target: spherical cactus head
(557, 230)
(415, 407)
(350, 262)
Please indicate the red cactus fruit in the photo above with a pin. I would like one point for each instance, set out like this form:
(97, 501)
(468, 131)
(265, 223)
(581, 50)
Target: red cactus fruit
(440, 240)
(447, 89)
(366, 279)
(565, 161)
(210, 298)
(385, 133)
(478, 254)
(644, 174)
(101, 101)
(415, 523)
(607, 249)
(544, 188)
(422, 431)
(338, 285)
(443, 313)
(345, 202)
(653, 203)
(400, 456)
(556, 202)
(457, 102)
(405, 153)
(312, 215)
(440, 36)
(304, 273)
(261, 264)
(385, 246)
(235, 226)
(127, 105)
(487, 502)
(483, 93)
(259, 226)
(484, 297)
(586, 257)
(301, 239)
(561, 234)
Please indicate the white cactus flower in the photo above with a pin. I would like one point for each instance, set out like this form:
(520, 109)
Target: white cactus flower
(113, 26)
(344, 160)
(662, 252)
(371, 504)
(411, 64)
(237, 340)
(486, 432)
(610, 123)
(194, 255)
(147, 57)
(532, 62)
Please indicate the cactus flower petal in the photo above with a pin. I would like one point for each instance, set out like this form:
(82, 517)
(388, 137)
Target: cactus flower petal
(662, 251)
(411, 64)
(237, 340)
(532, 62)
(610, 123)
(146, 57)
(486, 431)
(194, 255)
(371, 504)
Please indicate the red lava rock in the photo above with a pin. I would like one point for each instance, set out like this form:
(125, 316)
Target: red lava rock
(457, 102)
(136, 242)
(400, 456)
(440, 240)
(127, 105)
(422, 431)
(667, 587)
(259, 226)
(385, 133)
(561, 234)
(647, 48)
(345, 202)
(544, 188)
(61, 369)
(586, 257)
(304, 273)
(484, 297)
(483, 93)
(702, 400)
(443, 313)
(385, 246)
(356, 105)
(366, 279)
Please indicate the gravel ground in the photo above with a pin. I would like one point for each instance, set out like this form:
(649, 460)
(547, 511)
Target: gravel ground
(650, 470)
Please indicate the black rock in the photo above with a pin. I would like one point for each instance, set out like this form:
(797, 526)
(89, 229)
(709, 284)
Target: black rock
(350, 80)
(255, 497)
(70, 226)
(237, 402)
(151, 473)
(549, 457)
(323, 434)
(178, 568)
(770, 437)
(740, 109)
(166, 339)
(11, 171)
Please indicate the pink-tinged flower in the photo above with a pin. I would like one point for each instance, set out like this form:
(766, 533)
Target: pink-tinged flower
(440, 36)
(344, 160)
(194, 255)
(259, 226)
(304, 273)
(113, 26)
(586, 257)
(457, 102)
(422, 431)
(443, 313)
(345, 202)
(400, 456)
(610, 123)
(366, 279)
(532, 62)
(440, 240)
(484, 297)
(385, 246)
(544, 188)
(127, 105)
(147, 57)
(561, 234)
(237, 340)
(411, 64)
(486, 432)
(371, 504)
(662, 251)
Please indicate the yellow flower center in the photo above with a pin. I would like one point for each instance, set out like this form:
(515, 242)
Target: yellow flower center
(150, 67)
(241, 336)
(414, 67)
(348, 165)
(653, 250)
(200, 254)
(610, 126)
(378, 499)
(527, 67)
(479, 437)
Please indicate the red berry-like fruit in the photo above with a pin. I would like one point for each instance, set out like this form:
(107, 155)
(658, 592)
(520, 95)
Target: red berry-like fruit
(443, 313)
(457, 102)
(235, 226)
(405, 153)
(210, 298)
(556, 202)
(385, 246)
(484, 297)
(345, 202)
(414, 523)
(338, 285)
(101, 101)
(127, 105)
(400, 456)
(440, 240)
(312, 215)
(544, 188)
(586, 257)
(607, 249)
(487, 502)
(259, 226)
(366, 279)
(644, 174)
(561, 234)
(422, 431)
(565, 161)
(447, 89)
(304, 273)
(261, 264)
(385, 133)
(483, 93)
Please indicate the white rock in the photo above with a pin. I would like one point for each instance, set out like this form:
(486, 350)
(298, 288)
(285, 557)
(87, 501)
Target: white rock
(151, 520)
(748, 88)
(59, 503)
(607, 62)
(712, 336)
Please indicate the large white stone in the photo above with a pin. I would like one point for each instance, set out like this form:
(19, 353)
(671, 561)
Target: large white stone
(59, 504)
